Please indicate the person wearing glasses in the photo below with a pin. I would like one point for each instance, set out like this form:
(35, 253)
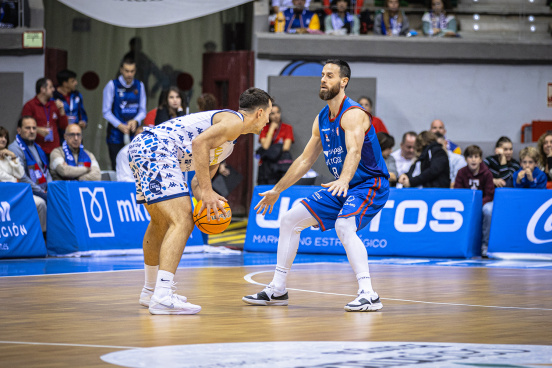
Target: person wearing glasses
(71, 161)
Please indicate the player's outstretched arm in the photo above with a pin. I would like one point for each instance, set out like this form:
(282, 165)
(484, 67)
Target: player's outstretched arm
(355, 123)
(298, 168)
(227, 127)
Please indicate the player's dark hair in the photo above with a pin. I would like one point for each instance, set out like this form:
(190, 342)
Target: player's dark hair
(253, 99)
(344, 69)
(411, 133)
(473, 150)
(65, 75)
(385, 140)
(42, 82)
(502, 140)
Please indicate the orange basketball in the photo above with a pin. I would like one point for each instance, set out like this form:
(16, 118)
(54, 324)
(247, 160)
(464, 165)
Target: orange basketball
(209, 224)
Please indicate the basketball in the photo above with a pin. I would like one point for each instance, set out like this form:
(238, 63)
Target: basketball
(209, 224)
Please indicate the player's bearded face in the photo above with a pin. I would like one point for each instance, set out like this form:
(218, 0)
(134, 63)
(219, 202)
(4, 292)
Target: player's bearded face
(330, 92)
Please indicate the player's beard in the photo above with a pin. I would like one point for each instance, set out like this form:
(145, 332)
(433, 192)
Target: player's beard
(329, 93)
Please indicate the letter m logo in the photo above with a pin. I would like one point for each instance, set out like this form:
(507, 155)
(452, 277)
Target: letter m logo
(5, 211)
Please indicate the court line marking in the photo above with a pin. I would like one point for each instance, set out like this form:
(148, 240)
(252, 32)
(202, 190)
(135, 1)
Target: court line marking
(74, 345)
(249, 278)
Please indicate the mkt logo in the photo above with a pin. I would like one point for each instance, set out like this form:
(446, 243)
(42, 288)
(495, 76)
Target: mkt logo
(96, 212)
(540, 225)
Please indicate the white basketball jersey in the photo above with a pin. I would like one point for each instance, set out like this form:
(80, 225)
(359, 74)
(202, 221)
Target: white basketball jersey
(183, 130)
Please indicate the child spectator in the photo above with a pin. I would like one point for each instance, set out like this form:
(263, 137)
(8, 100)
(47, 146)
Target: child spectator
(477, 176)
(387, 142)
(529, 176)
(502, 164)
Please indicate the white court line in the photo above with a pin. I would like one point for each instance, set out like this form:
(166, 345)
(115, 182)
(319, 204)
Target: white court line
(249, 278)
(61, 344)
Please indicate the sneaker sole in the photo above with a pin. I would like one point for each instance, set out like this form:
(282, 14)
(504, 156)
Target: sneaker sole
(282, 303)
(364, 308)
(144, 303)
(174, 311)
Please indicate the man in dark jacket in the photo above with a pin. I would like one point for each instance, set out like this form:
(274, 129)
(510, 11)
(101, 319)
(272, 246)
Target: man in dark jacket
(477, 176)
(431, 169)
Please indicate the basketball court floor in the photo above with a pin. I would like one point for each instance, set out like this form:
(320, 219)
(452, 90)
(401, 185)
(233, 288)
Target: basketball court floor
(84, 312)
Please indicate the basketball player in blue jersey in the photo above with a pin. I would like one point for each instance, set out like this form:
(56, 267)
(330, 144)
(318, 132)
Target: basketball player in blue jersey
(343, 131)
(158, 158)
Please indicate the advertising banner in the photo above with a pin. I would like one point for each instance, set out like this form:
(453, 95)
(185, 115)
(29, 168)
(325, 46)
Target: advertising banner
(20, 231)
(85, 216)
(414, 222)
(521, 222)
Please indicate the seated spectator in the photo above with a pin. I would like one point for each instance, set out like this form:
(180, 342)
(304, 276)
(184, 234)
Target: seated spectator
(529, 176)
(366, 102)
(386, 143)
(207, 102)
(456, 161)
(34, 162)
(437, 22)
(405, 155)
(477, 176)
(544, 146)
(274, 156)
(502, 164)
(366, 18)
(434, 171)
(170, 107)
(392, 21)
(124, 173)
(10, 165)
(437, 126)
(341, 22)
(67, 93)
(283, 5)
(71, 161)
(297, 19)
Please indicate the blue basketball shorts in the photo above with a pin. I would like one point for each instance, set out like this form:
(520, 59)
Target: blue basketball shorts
(156, 169)
(363, 202)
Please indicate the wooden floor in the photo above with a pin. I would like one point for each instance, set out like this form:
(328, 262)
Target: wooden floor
(71, 320)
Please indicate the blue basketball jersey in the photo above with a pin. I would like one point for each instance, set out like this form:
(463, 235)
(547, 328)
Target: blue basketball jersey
(126, 105)
(371, 163)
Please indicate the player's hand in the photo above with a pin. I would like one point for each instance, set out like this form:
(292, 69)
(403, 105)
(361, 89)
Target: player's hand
(123, 128)
(213, 202)
(337, 187)
(267, 202)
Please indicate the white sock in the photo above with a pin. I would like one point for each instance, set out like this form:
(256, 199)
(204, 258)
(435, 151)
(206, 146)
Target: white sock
(364, 282)
(151, 276)
(164, 283)
(280, 279)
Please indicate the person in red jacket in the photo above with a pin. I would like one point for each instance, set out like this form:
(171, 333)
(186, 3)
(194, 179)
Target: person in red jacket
(366, 102)
(49, 115)
(477, 176)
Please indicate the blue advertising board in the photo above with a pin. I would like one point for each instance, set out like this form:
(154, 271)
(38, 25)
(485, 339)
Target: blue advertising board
(86, 216)
(521, 222)
(20, 231)
(414, 222)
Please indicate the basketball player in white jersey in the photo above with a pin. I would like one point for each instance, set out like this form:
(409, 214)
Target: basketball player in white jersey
(158, 157)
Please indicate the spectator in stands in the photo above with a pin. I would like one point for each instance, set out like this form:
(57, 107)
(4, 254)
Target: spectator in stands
(49, 115)
(434, 171)
(12, 171)
(297, 19)
(437, 22)
(502, 164)
(392, 21)
(456, 161)
(274, 156)
(67, 93)
(529, 176)
(477, 176)
(124, 107)
(437, 126)
(366, 18)
(386, 143)
(341, 22)
(207, 102)
(366, 102)
(405, 155)
(124, 173)
(544, 146)
(283, 5)
(71, 161)
(170, 107)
